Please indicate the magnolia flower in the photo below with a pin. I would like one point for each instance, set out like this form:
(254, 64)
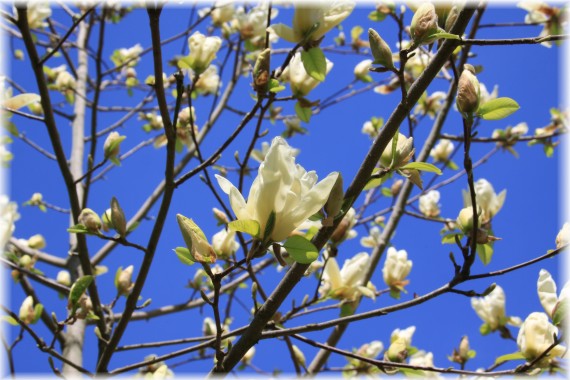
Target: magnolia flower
(404, 152)
(396, 268)
(356, 367)
(486, 198)
(346, 283)
(316, 19)
(361, 70)
(491, 309)
(8, 215)
(468, 91)
(129, 57)
(520, 129)
(37, 242)
(252, 25)
(441, 152)
(65, 81)
(380, 50)
(405, 334)
(202, 51)
(563, 236)
(38, 12)
(259, 155)
(423, 359)
(248, 357)
(224, 243)
(536, 335)
(373, 239)
(430, 105)
(301, 83)
(546, 288)
(552, 18)
(223, 12)
(429, 205)
(368, 129)
(209, 81)
(90, 220)
(485, 95)
(112, 146)
(123, 280)
(465, 219)
(281, 188)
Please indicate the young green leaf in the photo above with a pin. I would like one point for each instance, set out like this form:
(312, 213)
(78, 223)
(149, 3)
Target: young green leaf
(315, 63)
(485, 253)
(184, 255)
(250, 227)
(508, 357)
(497, 109)
(301, 249)
(422, 166)
(304, 113)
(77, 290)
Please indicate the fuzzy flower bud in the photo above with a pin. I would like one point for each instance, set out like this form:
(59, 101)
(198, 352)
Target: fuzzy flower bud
(90, 220)
(441, 152)
(465, 219)
(396, 269)
(380, 50)
(429, 205)
(27, 313)
(112, 145)
(63, 278)
(37, 242)
(404, 152)
(468, 91)
(123, 280)
(424, 24)
(261, 71)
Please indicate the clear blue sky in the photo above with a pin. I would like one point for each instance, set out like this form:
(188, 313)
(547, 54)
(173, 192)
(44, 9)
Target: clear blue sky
(528, 222)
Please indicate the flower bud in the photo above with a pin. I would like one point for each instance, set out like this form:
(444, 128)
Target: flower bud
(465, 219)
(209, 327)
(37, 199)
(248, 357)
(112, 145)
(299, 356)
(27, 313)
(451, 18)
(424, 24)
(563, 237)
(26, 262)
(396, 187)
(429, 205)
(202, 51)
(118, 219)
(261, 71)
(85, 307)
(468, 92)
(63, 278)
(224, 243)
(90, 220)
(397, 352)
(195, 240)
(361, 70)
(36, 108)
(123, 280)
(336, 198)
(464, 349)
(37, 242)
(442, 151)
(404, 152)
(220, 216)
(380, 50)
(106, 220)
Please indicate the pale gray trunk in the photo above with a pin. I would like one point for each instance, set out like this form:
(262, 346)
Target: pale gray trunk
(75, 334)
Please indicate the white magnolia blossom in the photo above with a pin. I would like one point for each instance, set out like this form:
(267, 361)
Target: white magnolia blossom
(552, 18)
(424, 359)
(202, 51)
(361, 69)
(223, 12)
(429, 204)
(248, 357)
(316, 17)
(491, 309)
(520, 129)
(368, 129)
(209, 81)
(563, 236)
(8, 215)
(38, 12)
(130, 55)
(65, 81)
(441, 152)
(27, 312)
(396, 268)
(546, 288)
(405, 334)
(281, 187)
(346, 283)
(63, 278)
(300, 81)
(430, 105)
(489, 202)
(536, 336)
(371, 350)
(404, 152)
(259, 155)
(485, 96)
(224, 243)
(373, 238)
(252, 25)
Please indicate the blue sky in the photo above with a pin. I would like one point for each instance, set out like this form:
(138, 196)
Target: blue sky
(528, 222)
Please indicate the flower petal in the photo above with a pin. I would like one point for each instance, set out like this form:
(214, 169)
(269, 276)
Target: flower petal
(546, 291)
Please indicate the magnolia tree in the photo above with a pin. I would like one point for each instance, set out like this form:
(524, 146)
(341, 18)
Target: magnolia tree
(173, 146)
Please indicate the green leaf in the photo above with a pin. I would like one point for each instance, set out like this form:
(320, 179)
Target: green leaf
(548, 150)
(376, 16)
(395, 293)
(316, 216)
(11, 128)
(38, 309)
(422, 166)
(452, 165)
(447, 36)
(117, 275)
(497, 109)
(485, 253)
(269, 226)
(250, 227)
(275, 86)
(315, 63)
(386, 192)
(449, 238)
(78, 229)
(10, 320)
(77, 290)
(347, 309)
(508, 357)
(375, 182)
(301, 249)
(471, 354)
(304, 113)
(485, 329)
(559, 312)
(184, 255)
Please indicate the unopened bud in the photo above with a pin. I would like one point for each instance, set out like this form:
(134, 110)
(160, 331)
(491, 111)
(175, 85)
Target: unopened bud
(90, 220)
(261, 71)
(465, 219)
(468, 92)
(464, 349)
(123, 280)
(118, 218)
(248, 357)
(396, 187)
(27, 314)
(398, 351)
(336, 198)
(424, 24)
(63, 278)
(26, 262)
(36, 108)
(220, 216)
(37, 242)
(380, 50)
(299, 356)
(451, 18)
(112, 145)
